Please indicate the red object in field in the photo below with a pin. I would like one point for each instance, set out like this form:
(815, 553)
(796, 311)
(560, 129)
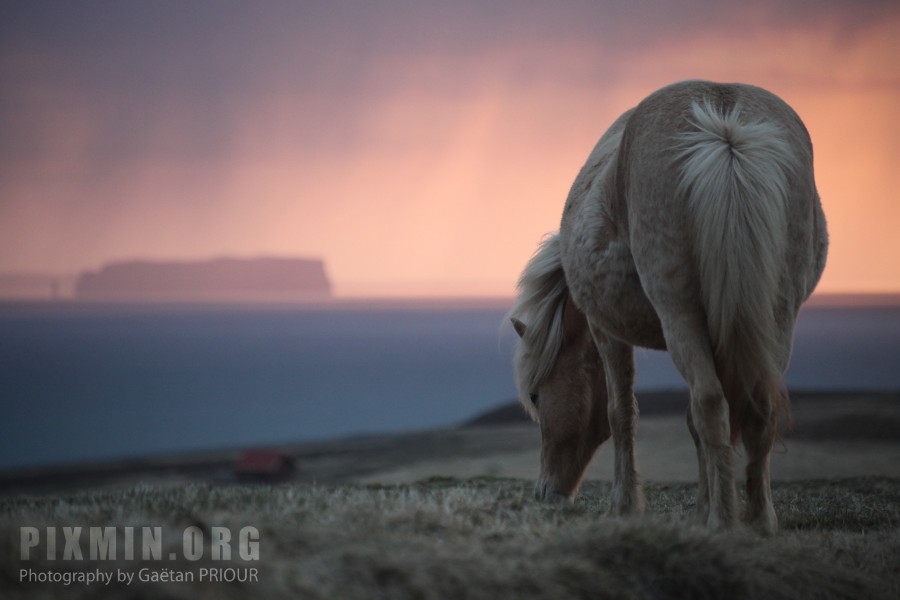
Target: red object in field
(266, 465)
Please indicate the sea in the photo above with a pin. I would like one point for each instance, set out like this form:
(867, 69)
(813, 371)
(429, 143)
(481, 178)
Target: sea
(82, 382)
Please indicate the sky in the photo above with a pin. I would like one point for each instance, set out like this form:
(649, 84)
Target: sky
(420, 147)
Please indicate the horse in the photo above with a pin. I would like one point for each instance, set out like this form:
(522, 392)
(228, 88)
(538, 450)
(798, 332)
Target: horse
(694, 227)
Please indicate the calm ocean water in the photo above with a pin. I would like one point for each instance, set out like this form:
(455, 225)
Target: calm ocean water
(86, 382)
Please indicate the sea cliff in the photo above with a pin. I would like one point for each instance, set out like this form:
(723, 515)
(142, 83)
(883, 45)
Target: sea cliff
(217, 279)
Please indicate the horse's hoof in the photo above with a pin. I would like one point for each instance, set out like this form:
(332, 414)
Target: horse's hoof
(764, 527)
(719, 524)
(624, 511)
(554, 498)
(623, 505)
(546, 494)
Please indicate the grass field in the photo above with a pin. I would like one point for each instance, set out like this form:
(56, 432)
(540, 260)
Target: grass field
(473, 538)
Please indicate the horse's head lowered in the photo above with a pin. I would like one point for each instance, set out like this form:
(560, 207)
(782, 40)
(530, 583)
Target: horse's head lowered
(559, 374)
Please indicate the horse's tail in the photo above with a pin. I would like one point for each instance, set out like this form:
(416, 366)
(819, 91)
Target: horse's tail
(735, 175)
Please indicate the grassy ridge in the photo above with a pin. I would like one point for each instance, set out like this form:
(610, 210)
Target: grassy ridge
(481, 538)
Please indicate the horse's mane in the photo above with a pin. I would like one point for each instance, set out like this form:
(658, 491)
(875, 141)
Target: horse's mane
(542, 296)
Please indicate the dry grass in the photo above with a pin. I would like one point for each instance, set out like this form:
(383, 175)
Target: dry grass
(481, 538)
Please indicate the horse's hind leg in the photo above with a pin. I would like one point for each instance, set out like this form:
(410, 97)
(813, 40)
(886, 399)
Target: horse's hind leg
(758, 432)
(618, 362)
(691, 351)
(702, 510)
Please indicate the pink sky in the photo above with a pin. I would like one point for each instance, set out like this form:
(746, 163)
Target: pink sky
(420, 149)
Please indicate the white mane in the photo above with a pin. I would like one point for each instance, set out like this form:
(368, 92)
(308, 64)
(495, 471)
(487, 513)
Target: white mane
(542, 297)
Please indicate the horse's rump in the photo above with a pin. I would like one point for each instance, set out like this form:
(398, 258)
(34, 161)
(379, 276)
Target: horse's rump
(735, 152)
(735, 177)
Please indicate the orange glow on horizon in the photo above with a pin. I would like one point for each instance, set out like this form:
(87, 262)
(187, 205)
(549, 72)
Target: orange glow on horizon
(444, 188)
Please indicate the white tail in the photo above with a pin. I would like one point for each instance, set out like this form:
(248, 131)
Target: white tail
(735, 175)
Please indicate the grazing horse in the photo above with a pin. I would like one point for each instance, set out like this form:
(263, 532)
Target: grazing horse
(694, 227)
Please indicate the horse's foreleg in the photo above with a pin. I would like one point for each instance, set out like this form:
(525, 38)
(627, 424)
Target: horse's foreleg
(618, 362)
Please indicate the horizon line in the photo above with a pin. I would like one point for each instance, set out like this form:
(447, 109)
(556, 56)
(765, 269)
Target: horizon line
(411, 301)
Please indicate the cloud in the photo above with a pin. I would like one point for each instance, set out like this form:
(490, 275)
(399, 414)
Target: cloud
(395, 138)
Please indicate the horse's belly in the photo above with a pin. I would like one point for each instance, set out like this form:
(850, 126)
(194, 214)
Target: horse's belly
(626, 314)
(646, 333)
(606, 287)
